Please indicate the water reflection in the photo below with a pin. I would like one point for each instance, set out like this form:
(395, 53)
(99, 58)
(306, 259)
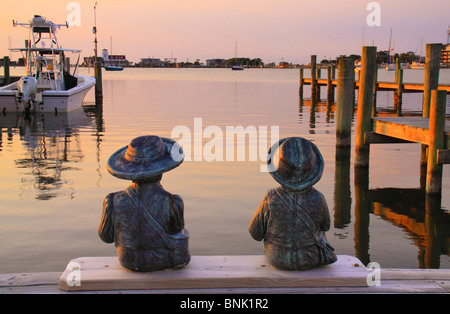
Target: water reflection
(52, 148)
(316, 108)
(420, 216)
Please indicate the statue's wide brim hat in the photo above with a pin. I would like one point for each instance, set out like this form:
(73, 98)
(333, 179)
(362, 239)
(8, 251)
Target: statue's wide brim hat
(145, 157)
(300, 163)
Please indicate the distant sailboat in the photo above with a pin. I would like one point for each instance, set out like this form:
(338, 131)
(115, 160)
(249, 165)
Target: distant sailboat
(390, 66)
(112, 67)
(236, 67)
(419, 65)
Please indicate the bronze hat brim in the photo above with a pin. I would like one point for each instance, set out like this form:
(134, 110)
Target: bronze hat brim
(300, 184)
(122, 168)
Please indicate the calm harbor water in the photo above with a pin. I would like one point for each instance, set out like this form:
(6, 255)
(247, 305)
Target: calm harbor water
(54, 176)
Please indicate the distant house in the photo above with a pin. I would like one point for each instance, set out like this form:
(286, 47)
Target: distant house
(117, 60)
(150, 63)
(216, 63)
(445, 60)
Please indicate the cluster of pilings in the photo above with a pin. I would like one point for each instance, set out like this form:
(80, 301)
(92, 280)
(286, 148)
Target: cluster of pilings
(434, 105)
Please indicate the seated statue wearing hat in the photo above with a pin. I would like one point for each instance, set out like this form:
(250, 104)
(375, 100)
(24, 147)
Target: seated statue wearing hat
(292, 219)
(145, 222)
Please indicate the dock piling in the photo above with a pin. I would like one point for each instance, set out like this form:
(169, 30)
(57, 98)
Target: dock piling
(431, 75)
(313, 78)
(344, 102)
(300, 83)
(330, 86)
(7, 77)
(365, 105)
(98, 77)
(436, 141)
(398, 94)
(431, 82)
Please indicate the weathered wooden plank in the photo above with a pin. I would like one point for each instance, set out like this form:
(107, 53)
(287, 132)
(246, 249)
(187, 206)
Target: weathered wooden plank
(28, 279)
(212, 272)
(374, 138)
(415, 274)
(410, 129)
(444, 284)
(391, 281)
(386, 286)
(365, 105)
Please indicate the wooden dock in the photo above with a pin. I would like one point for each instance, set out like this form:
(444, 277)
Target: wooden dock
(226, 275)
(431, 129)
(380, 86)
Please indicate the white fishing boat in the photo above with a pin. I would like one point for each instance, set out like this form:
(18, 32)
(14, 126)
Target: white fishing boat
(48, 85)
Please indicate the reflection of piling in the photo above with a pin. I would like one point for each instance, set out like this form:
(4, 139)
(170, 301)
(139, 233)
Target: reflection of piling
(433, 238)
(342, 188)
(436, 141)
(362, 214)
(365, 100)
(344, 102)
(98, 77)
(7, 77)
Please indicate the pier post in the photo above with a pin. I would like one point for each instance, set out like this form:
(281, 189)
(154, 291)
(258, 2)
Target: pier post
(344, 102)
(365, 99)
(330, 87)
(98, 77)
(437, 140)
(318, 76)
(431, 76)
(375, 91)
(399, 92)
(300, 83)
(313, 78)
(431, 82)
(397, 69)
(7, 77)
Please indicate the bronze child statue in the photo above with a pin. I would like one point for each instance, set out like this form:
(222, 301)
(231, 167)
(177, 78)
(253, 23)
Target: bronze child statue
(145, 221)
(292, 219)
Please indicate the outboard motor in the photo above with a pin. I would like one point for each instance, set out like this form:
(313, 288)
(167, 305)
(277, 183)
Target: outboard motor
(27, 92)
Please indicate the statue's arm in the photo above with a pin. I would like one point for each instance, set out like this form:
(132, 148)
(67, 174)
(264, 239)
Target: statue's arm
(176, 214)
(258, 225)
(106, 228)
(326, 221)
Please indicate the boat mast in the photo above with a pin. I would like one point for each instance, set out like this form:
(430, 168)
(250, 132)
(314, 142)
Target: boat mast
(95, 30)
(389, 52)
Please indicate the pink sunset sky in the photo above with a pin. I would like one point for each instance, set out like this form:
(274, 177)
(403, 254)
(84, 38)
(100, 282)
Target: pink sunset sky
(289, 30)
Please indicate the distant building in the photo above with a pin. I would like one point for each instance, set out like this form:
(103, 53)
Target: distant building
(445, 59)
(216, 63)
(117, 60)
(150, 63)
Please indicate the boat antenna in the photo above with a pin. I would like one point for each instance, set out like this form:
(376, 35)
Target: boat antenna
(94, 30)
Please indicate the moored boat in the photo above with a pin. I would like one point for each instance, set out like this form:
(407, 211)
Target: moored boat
(48, 85)
(113, 68)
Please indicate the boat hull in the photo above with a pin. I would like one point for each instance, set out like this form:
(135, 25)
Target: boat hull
(112, 68)
(52, 101)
